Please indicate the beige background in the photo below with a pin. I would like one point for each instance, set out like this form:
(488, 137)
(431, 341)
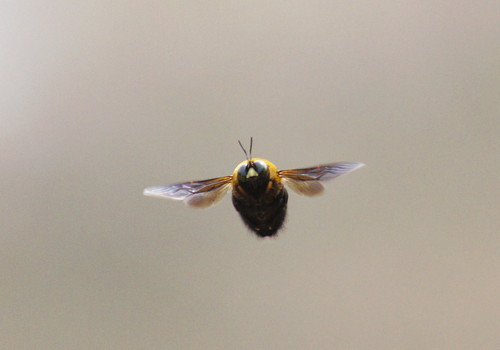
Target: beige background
(101, 99)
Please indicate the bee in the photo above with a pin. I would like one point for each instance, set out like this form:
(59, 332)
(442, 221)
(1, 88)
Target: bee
(258, 190)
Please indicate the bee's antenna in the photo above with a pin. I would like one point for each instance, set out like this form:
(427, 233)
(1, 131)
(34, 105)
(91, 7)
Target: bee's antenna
(251, 144)
(244, 150)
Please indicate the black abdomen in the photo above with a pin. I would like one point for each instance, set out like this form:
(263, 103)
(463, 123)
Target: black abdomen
(264, 216)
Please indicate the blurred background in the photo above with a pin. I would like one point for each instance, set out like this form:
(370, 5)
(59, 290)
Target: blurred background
(101, 99)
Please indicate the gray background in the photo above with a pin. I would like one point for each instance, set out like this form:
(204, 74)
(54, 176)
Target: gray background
(101, 99)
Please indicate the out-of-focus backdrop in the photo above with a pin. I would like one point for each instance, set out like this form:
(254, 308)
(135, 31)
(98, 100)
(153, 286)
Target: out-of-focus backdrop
(101, 99)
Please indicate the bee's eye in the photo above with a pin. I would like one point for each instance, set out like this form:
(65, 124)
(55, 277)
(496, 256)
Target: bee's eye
(260, 167)
(242, 172)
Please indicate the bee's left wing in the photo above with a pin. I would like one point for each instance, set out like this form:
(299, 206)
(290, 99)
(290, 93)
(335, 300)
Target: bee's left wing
(200, 194)
(307, 181)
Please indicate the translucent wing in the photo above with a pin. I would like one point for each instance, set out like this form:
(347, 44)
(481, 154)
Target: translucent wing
(307, 181)
(200, 194)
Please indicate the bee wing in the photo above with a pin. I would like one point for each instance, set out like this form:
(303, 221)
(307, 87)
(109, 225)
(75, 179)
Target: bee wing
(199, 194)
(307, 181)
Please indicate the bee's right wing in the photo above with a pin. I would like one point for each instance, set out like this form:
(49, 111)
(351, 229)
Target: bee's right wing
(199, 194)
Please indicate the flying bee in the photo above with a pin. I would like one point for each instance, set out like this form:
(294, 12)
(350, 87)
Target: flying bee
(258, 190)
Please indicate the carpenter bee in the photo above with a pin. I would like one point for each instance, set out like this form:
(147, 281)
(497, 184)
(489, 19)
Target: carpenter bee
(258, 190)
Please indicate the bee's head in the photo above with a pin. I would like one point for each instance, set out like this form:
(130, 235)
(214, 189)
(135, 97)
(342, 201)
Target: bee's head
(254, 175)
(254, 172)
